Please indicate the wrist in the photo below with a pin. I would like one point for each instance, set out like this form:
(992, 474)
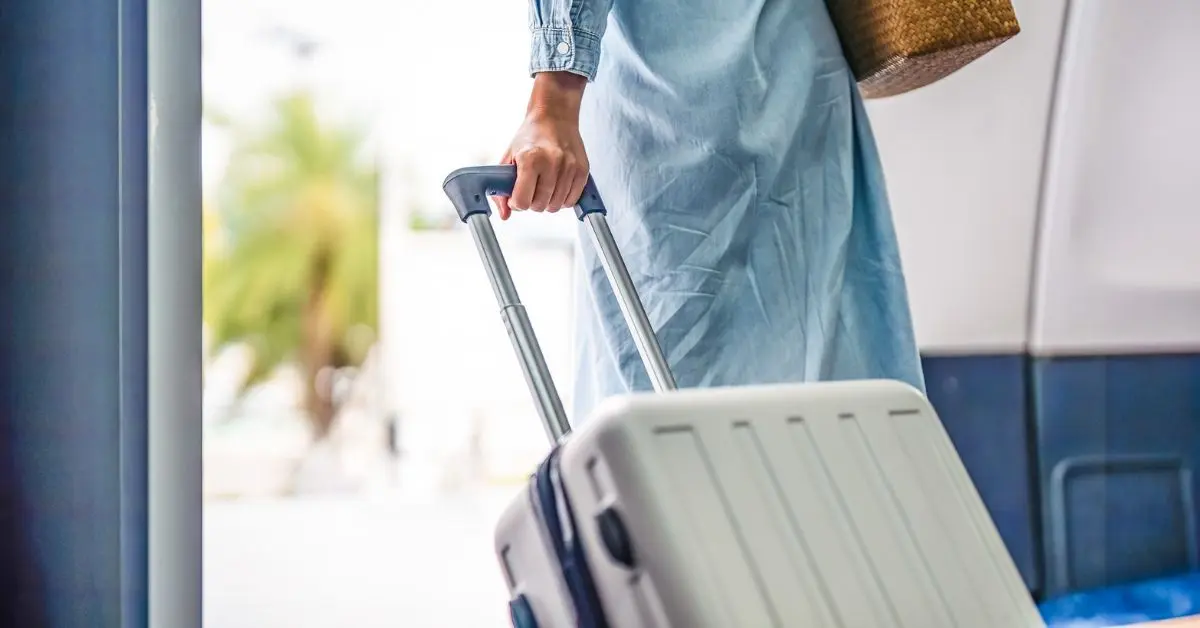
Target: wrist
(556, 94)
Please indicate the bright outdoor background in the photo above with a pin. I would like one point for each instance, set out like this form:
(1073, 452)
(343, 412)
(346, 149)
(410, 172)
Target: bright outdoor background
(364, 421)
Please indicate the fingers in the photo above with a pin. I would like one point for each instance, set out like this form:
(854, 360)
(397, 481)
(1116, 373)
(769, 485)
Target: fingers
(502, 204)
(577, 185)
(528, 173)
(537, 177)
(565, 186)
(546, 184)
(559, 181)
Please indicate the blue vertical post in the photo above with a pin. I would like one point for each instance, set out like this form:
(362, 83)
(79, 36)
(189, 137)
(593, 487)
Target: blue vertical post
(76, 438)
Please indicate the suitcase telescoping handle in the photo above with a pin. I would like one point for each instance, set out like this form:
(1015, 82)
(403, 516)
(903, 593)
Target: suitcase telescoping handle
(469, 189)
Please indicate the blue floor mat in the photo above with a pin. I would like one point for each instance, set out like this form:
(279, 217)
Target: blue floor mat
(1154, 600)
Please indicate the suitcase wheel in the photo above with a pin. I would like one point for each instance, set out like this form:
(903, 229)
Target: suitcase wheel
(521, 613)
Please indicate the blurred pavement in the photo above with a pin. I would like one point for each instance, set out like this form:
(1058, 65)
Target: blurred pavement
(368, 561)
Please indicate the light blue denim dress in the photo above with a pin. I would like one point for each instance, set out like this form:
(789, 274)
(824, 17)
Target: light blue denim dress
(744, 189)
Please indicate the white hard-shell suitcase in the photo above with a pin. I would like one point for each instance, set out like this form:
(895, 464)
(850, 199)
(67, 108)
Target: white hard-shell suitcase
(840, 505)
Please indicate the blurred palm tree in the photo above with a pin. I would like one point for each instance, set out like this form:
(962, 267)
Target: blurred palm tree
(292, 251)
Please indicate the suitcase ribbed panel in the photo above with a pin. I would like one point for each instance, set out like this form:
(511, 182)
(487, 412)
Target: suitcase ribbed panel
(840, 505)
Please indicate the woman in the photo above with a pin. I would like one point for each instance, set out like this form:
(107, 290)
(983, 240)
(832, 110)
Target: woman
(730, 144)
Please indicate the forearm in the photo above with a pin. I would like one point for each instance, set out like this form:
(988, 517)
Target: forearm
(557, 94)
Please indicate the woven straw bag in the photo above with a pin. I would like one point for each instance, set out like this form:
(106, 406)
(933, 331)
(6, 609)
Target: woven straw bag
(895, 46)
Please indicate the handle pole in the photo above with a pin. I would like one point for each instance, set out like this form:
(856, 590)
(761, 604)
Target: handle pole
(631, 304)
(520, 331)
(468, 189)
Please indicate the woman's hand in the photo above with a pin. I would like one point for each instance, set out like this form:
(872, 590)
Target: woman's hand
(552, 167)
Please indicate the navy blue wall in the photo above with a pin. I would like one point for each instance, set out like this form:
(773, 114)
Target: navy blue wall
(1086, 464)
(982, 401)
(73, 311)
(1118, 444)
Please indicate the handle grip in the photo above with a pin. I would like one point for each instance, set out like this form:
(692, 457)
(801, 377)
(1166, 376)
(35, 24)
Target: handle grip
(469, 189)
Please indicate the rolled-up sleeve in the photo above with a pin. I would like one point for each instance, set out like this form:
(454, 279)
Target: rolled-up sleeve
(566, 35)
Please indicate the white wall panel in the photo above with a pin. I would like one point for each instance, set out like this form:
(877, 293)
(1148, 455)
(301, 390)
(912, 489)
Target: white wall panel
(1119, 266)
(963, 160)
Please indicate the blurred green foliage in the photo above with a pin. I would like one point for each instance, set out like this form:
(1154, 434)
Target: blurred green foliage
(292, 249)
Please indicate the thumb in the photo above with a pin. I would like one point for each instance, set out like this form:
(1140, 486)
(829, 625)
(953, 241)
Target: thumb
(503, 207)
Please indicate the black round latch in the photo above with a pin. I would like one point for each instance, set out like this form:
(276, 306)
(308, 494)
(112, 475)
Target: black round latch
(616, 537)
